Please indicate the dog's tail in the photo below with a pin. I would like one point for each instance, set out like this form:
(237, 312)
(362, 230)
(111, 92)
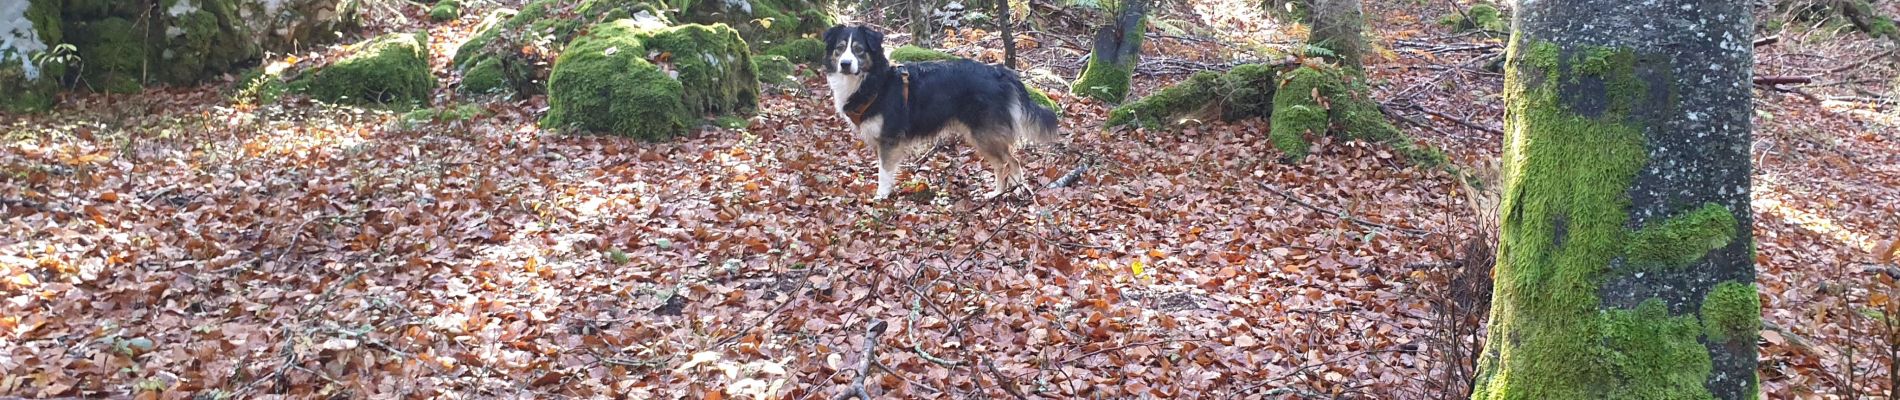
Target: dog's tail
(1033, 124)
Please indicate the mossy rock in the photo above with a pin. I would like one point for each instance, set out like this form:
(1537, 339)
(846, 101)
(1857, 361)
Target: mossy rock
(445, 10)
(804, 50)
(643, 79)
(291, 25)
(1244, 92)
(1483, 16)
(260, 86)
(913, 54)
(774, 69)
(499, 42)
(765, 23)
(1322, 100)
(392, 69)
(113, 50)
(201, 39)
(26, 30)
(1042, 99)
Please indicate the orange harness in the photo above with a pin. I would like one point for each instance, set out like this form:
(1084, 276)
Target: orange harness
(857, 116)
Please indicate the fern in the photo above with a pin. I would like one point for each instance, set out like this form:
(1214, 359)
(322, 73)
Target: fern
(1316, 51)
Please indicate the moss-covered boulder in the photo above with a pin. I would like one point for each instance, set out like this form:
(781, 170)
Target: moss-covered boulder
(27, 30)
(774, 69)
(1482, 16)
(445, 10)
(180, 42)
(392, 69)
(1243, 92)
(493, 61)
(201, 39)
(804, 50)
(1042, 99)
(911, 54)
(289, 25)
(643, 79)
(764, 23)
(1320, 100)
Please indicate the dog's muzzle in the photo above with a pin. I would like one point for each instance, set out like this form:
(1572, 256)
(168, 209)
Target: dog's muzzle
(848, 67)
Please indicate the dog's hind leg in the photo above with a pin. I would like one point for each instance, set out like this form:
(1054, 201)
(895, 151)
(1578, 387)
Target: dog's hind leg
(890, 156)
(997, 149)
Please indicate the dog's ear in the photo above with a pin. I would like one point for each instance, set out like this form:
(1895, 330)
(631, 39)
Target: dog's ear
(831, 35)
(875, 37)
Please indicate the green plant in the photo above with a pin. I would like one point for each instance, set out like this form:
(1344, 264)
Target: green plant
(64, 54)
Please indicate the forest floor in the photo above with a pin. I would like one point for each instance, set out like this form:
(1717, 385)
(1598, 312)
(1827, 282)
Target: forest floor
(173, 243)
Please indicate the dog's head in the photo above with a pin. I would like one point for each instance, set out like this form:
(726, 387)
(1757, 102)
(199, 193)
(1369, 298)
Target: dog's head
(853, 50)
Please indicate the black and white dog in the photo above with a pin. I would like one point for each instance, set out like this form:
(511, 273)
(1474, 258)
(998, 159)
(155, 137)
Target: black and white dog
(894, 107)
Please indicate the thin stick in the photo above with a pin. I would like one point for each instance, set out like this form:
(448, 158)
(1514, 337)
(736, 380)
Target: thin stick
(864, 362)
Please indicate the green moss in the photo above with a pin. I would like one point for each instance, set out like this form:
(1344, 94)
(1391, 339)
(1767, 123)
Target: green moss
(113, 51)
(1653, 355)
(773, 69)
(1682, 240)
(604, 82)
(1732, 313)
(392, 69)
(486, 77)
(1103, 81)
(549, 23)
(1566, 177)
(1299, 110)
(765, 22)
(259, 86)
(914, 54)
(445, 10)
(200, 44)
(1246, 91)
(1483, 16)
(1042, 99)
(804, 50)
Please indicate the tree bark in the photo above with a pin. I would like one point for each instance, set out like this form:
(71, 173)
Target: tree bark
(1338, 26)
(1116, 52)
(1625, 266)
(1009, 34)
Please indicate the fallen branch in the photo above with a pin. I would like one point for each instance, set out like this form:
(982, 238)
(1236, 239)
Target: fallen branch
(1767, 41)
(871, 333)
(1459, 121)
(1340, 215)
(1782, 80)
(1074, 175)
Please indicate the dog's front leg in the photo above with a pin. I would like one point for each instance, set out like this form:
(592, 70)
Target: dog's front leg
(889, 158)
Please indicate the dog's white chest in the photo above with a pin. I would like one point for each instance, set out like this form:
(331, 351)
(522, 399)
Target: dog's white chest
(842, 86)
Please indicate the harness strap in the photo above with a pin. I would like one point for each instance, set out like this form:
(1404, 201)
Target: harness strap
(857, 116)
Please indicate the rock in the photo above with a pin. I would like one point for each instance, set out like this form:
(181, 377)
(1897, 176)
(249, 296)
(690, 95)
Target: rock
(201, 39)
(644, 79)
(445, 10)
(911, 54)
(764, 23)
(287, 25)
(389, 69)
(774, 69)
(29, 29)
(1246, 91)
(803, 50)
(181, 42)
(500, 42)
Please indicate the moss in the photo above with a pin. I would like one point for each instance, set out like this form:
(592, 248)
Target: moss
(389, 69)
(616, 91)
(1042, 99)
(713, 63)
(445, 10)
(1566, 178)
(543, 22)
(1483, 16)
(804, 50)
(1246, 91)
(914, 54)
(1682, 240)
(260, 86)
(1653, 355)
(1300, 108)
(113, 51)
(1732, 313)
(765, 22)
(1103, 81)
(486, 77)
(773, 69)
(205, 42)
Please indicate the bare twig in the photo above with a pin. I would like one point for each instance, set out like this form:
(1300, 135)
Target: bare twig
(1009, 386)
(871, 333)
(1074, 175)
(1767, 41)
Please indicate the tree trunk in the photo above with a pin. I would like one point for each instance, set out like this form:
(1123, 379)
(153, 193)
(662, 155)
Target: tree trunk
(1625, 265)
(1337, 26)
(1116, 52)
(1009, 34)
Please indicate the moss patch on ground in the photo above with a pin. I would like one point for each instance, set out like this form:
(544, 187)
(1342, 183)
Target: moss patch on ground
(913, 54)
(392, 69)
(1316, 100)
(605, 83)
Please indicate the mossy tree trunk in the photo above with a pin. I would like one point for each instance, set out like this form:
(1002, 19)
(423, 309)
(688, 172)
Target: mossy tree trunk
(1625, 265)
(1116, 52)
(1339, 25)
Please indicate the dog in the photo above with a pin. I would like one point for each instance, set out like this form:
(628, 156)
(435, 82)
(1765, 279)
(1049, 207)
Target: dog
(893, 107)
